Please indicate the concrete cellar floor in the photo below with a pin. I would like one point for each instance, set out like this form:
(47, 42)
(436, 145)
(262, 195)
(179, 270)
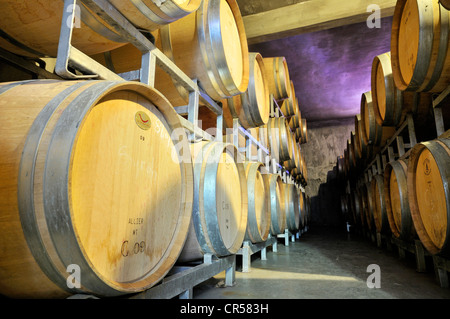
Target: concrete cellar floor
(326, 264)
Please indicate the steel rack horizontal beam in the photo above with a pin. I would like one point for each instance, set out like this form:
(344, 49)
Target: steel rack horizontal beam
(182, 280)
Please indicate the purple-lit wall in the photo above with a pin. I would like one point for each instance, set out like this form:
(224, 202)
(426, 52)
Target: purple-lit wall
(331, 69)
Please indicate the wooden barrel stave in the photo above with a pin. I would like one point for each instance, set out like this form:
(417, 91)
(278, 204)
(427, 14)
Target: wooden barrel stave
(252, 108)
(379, 205)
(361, 144)
(397, 205)
(258, 226)
(289, 106)
(362, 194)
(291, 204)
(148, 16)
(303, 209)
(62, 142)
(280, 139)
(374, 133)
(304, 130)
(392, 105)
(218, 60)
(368, 206)
(220, 210)
(277, 73)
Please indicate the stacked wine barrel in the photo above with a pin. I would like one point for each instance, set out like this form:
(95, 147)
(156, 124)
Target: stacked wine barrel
(286, 131)
(277, 135)
(406, 196)
(100, 176)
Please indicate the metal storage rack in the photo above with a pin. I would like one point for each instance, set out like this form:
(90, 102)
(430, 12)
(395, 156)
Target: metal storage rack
(399, 146)
(72, 64)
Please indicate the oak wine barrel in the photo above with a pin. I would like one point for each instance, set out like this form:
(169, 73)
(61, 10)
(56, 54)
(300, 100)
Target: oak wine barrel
(355, 153)
(294, 162)
(262, 137)
(31, 28)
(361, 143)
(350, 217)
(252, 107)
(397, 204)
(296, 119)
(289, 107)
(62, 205)
(303, 170)
(374, 133)
(209, 45)
(379, 205)
(277, 73)
(304, 132)
(356, 206)
(220, 208)
(419, 46)
(362, 195)
(392, 105)
(150, 16)
(368, 206)
(258, 226)
(303, 209)
(291, 204)
(298, 134)
(445, 4)
(340, 167)
(280, 139)
(344, 205)
(308, 215)
(275, 203)
(386, 98)
(297, 169)
(428, 178)
(346, 161)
